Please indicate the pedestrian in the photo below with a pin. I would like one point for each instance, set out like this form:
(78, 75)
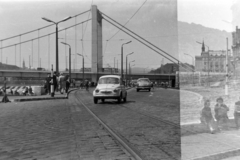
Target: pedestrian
(237, 113)
(86, 85)
(48, 83)
(55, 83)
(25, 91)
(207, 117)
(221, 114)
(67, 84)
(30, 91)
(62, 83)
(45, 86)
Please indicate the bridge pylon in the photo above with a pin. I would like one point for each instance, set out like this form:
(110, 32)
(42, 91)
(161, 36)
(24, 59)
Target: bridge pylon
(97, 62)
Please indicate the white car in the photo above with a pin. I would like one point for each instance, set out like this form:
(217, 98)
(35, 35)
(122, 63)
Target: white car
(110, 87)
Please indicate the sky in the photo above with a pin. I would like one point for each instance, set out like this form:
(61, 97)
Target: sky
(156, 21)
(209, 13)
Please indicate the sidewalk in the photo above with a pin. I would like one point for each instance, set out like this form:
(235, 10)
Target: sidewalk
(207, 146)
(57, 95)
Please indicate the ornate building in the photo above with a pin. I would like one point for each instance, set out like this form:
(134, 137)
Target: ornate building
(212, 61)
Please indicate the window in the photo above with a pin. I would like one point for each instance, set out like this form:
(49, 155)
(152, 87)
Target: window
(109, 80)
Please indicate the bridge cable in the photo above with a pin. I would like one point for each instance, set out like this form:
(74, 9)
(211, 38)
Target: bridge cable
(39, 28)
(1, 52)
(129, 19)
(88, 18)
(48, 52)
(32, 53)
(65, 46)
(144, 43)
(75, 59)
(142, 39)
(15, 55)
(43, 35)
(20, 50)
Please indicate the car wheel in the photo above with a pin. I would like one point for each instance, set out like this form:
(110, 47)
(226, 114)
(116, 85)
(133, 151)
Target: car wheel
(120, 99)
(103, 100)
(95, 100)
(149, 90)
(125, 98)
(137, 90)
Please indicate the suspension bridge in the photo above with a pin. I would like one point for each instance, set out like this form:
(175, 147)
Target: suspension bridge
(40, 48)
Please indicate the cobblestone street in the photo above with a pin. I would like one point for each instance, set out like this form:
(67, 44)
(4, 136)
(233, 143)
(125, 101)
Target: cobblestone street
(57, 130)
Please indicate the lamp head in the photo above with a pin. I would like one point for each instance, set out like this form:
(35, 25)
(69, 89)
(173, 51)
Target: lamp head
(48, 20)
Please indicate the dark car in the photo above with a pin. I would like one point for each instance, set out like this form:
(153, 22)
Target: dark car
(143, 84)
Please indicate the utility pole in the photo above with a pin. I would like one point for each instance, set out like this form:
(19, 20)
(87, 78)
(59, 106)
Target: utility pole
(226, 83)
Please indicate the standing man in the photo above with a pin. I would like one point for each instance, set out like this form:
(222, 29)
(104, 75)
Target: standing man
(48, 83)
(55, 81)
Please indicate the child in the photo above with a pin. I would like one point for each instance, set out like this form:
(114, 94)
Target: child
(206, 116)
(221, 114)
(237, 113)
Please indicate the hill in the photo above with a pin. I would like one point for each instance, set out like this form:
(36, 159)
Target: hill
(8, 67)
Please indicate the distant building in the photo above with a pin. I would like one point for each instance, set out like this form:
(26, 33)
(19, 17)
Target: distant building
(215, 58)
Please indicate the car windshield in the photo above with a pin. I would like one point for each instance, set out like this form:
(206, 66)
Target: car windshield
(109, 80)
(143, 80)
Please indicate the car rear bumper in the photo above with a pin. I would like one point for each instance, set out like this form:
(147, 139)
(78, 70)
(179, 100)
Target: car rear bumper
(144, 87)
(106, 97)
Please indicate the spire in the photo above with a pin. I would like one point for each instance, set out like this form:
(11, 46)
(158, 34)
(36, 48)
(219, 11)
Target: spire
(203, 47)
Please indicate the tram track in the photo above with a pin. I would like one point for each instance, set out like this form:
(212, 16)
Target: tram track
(137, 138)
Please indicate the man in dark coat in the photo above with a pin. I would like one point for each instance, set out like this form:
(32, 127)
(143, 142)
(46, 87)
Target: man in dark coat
(48, 83)
(55, 83)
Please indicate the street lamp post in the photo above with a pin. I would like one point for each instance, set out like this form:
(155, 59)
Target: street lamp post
(130, 66)
(193, 66)
(208, 60)
(48, 20)
(127, 62)
(226, 83)
(114, 66)
(69, 60)
(122, 59)
(82, 65)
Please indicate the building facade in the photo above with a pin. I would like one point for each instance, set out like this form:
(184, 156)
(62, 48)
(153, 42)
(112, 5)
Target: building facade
(212, 61)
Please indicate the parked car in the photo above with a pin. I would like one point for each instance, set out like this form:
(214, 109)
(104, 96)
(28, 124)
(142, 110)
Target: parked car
(110, 87)
(143, 84)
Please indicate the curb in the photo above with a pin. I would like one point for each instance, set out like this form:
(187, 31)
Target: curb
(43, 98)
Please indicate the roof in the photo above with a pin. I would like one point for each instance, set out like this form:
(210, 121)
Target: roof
(115, 76)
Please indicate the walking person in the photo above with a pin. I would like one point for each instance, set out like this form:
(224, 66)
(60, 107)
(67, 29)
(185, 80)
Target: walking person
(62, 83)
(48, 83)
(86, 85)
(67, 84)
(221, 114)
(207, 117)
(55, 83)
(237, 113)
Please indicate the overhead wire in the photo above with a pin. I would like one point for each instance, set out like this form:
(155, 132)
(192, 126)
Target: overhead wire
(125, 24)
(142, 39)
(143, 43)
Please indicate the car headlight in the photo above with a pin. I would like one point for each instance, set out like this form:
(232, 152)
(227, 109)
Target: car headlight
(97, 90)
